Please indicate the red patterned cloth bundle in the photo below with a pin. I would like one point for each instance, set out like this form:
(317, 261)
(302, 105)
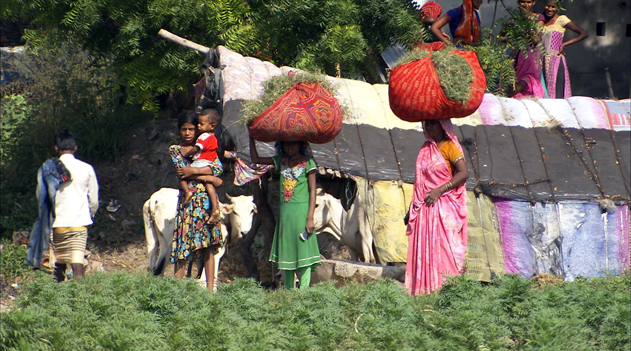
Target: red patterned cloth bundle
(306, 112)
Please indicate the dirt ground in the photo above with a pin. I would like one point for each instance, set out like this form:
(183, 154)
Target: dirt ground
(117, 241)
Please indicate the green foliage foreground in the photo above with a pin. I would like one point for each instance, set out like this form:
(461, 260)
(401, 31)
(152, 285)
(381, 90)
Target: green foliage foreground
(141, 312)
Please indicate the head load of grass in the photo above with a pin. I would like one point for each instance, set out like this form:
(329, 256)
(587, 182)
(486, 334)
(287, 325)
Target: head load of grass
(454, 73)
(275, 87)
(412, 55)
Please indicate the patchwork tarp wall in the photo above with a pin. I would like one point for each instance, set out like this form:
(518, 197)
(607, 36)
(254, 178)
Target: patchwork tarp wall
(540, 169)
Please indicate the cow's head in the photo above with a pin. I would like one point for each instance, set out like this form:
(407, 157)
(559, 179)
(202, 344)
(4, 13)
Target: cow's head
(240, 212)
(327, 213)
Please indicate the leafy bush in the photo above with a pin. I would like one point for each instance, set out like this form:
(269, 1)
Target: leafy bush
(495, 62)
(12, 260)
(142, 312)
(67, 88)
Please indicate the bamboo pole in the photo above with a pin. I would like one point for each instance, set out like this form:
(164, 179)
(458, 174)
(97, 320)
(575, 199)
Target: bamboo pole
(183, 42)
(609, 86)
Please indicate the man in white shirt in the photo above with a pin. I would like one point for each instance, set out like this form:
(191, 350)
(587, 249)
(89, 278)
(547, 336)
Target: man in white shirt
(76, 203)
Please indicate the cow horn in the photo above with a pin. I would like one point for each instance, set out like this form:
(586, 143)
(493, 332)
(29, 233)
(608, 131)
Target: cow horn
(229, 197)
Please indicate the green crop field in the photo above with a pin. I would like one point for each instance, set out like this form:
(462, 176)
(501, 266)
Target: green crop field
(115, 311)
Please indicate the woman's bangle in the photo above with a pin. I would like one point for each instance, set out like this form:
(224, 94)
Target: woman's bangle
(449, 186)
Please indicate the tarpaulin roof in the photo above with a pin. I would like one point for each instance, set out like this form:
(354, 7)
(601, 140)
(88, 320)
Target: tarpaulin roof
(530, 149)
(570, 152)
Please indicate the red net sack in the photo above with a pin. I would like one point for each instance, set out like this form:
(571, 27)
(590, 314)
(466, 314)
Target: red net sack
(415, 93)
(306, 112)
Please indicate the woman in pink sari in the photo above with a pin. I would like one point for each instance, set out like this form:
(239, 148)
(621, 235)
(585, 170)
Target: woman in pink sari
(527, 65)
(437, 224)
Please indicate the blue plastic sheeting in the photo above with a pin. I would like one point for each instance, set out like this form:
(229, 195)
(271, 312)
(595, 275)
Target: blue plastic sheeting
(569, 239)
(590, 245)
(545, 237)
(530, 237)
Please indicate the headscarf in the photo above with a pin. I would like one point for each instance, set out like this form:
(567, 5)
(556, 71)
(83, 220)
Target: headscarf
(432, 9)
(448, 127)
(469, 28)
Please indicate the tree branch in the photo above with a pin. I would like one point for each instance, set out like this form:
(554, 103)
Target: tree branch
(183, 42)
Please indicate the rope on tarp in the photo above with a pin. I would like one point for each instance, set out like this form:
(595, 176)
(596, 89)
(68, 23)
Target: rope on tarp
(593, 175)
(396, 158)
(568, 139)
(619, 161)
(543, 158)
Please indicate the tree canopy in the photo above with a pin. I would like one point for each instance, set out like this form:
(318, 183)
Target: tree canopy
(315, 35)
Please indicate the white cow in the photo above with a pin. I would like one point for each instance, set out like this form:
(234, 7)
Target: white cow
(351, 227)
(242, 208)
(159, 218)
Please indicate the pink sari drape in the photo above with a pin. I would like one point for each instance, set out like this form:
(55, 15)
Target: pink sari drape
(529, 70)
(553, 42)
(437, 233)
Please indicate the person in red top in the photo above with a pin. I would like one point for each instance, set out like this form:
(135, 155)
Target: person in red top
(464, 23)
(205, 155)
(430, 13)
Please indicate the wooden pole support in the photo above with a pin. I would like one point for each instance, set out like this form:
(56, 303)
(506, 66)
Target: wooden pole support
(183, 42)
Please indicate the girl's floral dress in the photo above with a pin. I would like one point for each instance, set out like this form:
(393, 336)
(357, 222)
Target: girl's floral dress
(191, 230)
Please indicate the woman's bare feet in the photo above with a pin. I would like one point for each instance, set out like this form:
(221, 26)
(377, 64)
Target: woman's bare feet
(187, 198)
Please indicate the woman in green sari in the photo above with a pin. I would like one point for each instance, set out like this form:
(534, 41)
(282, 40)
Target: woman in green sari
(294, 248)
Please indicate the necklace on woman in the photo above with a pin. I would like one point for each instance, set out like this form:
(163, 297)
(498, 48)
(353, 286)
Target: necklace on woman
(290, 175)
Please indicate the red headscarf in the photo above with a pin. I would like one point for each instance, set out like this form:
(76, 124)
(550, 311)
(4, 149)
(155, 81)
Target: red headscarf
(432, 9)
(469, 28)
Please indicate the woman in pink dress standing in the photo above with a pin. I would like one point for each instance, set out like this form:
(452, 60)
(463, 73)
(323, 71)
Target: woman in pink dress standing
(437, 224)
(554, 26)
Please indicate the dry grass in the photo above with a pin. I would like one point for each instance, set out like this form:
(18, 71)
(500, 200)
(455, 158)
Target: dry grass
(544, 279)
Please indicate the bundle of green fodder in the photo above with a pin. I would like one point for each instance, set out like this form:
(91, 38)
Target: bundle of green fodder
(295, 107)
(436, 85)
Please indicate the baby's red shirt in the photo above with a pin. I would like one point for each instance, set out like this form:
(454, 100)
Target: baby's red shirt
(208, 145)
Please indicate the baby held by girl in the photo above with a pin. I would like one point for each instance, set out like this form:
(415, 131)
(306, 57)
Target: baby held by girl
(205, 155)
